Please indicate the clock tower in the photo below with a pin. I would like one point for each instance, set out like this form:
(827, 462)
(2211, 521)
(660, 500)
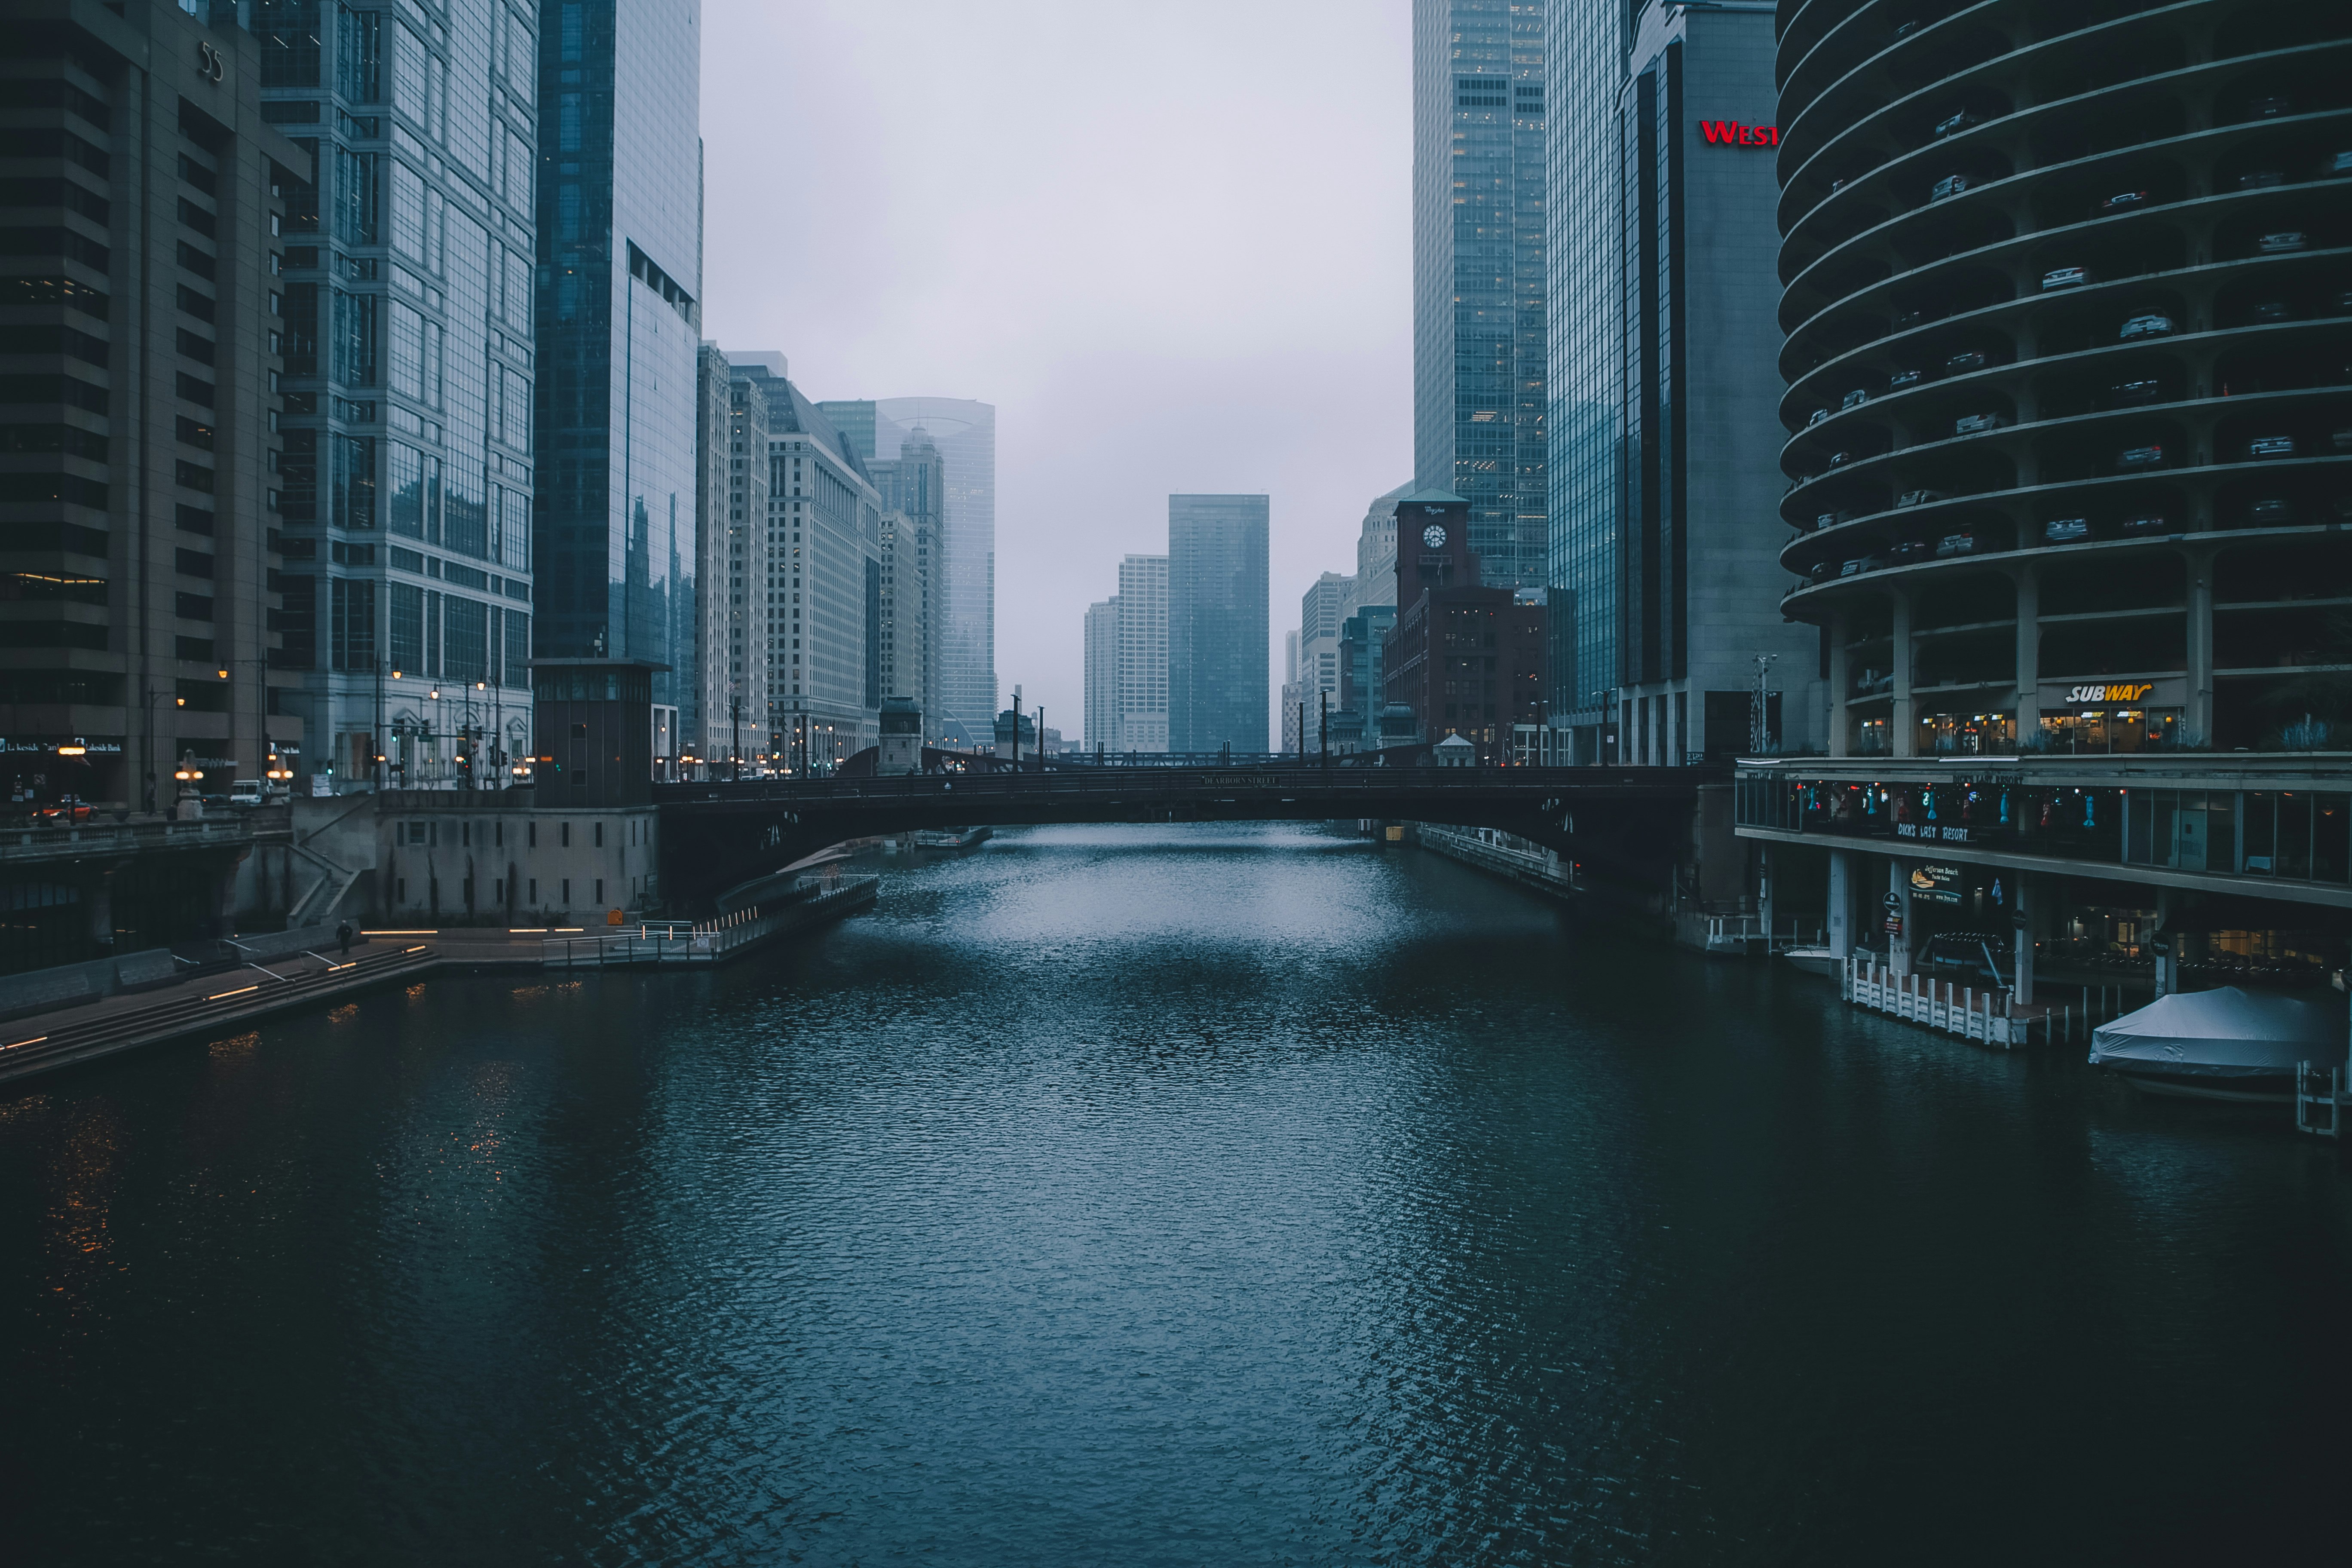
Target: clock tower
(1433, 544)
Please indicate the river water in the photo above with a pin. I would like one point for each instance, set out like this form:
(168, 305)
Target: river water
(1159, 1196)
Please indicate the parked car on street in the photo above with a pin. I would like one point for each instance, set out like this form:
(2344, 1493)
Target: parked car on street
(1953, 545)
(2122, 200)
(2127, 393)
(245, 792)
(2151, 325)
(2283, 242)
(1921, 497)
(1902, 378)
(1977, 424)
(2066, 278)
(1855, 399)
(1960, 363)
(1950, 185)
(2261, 179)
(2270, 447)
(2149, 456)
(2066, 529)
(2271, 511)
(1957, 123)
(2147, 523)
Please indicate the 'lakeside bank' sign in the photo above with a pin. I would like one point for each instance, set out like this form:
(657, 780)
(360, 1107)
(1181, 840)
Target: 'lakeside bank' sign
(1731, 134)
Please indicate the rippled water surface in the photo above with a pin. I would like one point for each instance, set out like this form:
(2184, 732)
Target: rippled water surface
(1159, 1196)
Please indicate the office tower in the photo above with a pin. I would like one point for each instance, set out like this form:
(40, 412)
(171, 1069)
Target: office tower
(1321, 613)
(138, 452)
(825, 616)
(1376, 552)
(1584, 72)
(737, 562)
(965, 435)
(408, 386)
(1102, 675)
(1217, 611)
(913, 483)
(1362, 683)
(1286, 707)
(1143, 697)
(1702, 391)
(910, 552)
(1478, 273)
(618, 312)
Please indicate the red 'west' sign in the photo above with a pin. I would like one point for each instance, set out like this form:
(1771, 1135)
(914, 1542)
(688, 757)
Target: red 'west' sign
(1731, 134)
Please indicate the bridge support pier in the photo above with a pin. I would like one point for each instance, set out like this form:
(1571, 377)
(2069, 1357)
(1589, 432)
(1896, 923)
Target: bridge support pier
(1840, 904)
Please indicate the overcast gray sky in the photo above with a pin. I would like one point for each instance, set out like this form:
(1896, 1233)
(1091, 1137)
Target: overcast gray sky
(1169, 241)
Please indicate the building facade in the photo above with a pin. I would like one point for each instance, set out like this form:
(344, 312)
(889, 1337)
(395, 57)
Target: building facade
(1140, 713)
(741, 558)
(1102, 675)
(1463, 658)
(1217, 632)
(618, 313)
(823, 602)
(963, 432)
(144, 479)
(909, 556)
(2067, 481)
(1478, 273)
(1376, 553)
(913, 484)
(409, 380)
(1585, 47)
(1701, 394)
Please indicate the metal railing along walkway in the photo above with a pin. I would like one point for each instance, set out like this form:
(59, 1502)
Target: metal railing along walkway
(669, 943)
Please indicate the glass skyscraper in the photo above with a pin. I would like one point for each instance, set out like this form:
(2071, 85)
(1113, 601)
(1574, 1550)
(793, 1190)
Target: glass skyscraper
(1217, 586)
(619, 288)
(1478, 274)
(408, 463)
(1584, 72)
(965, 434)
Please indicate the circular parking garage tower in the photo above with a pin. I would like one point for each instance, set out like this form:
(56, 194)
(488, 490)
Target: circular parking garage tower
(2068, 296)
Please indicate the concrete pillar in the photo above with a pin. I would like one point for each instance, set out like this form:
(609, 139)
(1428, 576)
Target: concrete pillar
(2198, 720)
(1764, 890)
(1903, 742)
(1898, 943)
(1841, 683)
(2168, 963)
(2023, 904)
(2029, 652)
(1841, 913)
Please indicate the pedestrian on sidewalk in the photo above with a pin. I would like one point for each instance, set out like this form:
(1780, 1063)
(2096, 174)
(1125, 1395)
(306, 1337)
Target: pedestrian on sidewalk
(343, 936)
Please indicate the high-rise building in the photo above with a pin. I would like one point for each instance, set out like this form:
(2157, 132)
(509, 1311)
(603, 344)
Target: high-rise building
(1288, 708)
(964, 433)
(1584, 72)
(143, 491)
(738, 561)
(1141, 712)
(1321, 611)
(1102, 675)
(409, 375)
(1217, 613)
(618, 308)
(1702, 435)
(914, 484)
(824, 621)
(1478, 273)
(909, 548)
(1376, 552)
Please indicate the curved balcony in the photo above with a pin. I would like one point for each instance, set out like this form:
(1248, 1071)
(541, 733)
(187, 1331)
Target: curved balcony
(2068, 294)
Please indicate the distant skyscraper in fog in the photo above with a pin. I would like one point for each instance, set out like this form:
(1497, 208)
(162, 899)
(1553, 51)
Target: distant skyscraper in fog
(1478, 272)
(1217, 675)
(965, 434)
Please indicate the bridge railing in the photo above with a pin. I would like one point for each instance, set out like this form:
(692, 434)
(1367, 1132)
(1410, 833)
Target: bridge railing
(1266, 774)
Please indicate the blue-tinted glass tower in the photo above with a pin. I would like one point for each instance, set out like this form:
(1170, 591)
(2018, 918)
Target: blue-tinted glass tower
(1217, 668)
(1478, 273)
(1584, 70)
(619, 313)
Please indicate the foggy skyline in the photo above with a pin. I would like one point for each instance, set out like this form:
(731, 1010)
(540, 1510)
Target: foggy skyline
(1172, 247)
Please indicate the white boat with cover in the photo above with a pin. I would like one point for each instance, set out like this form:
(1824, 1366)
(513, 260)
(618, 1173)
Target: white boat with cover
(2225, 1044)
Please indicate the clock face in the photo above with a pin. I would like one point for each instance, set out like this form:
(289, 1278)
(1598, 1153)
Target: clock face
(1432, 536)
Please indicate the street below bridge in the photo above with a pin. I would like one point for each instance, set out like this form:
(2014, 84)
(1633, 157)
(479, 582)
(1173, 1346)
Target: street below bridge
(1632, 823)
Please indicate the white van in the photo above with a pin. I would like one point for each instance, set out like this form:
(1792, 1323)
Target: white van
(245, 792)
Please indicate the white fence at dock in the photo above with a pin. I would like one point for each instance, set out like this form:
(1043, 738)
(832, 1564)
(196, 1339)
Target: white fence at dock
(1989, 1014)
